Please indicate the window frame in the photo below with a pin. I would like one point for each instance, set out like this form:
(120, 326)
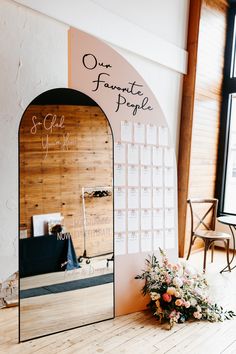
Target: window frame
(228, 88)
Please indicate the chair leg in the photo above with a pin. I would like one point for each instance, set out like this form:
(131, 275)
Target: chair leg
(190, 247)
(212, 252)
(227, 254)
(226, 242)
(205, 255)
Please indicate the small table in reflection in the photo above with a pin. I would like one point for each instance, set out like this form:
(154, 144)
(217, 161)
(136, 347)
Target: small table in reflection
(231, 222)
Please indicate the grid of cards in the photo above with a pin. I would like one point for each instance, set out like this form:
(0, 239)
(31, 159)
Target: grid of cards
(144, 183)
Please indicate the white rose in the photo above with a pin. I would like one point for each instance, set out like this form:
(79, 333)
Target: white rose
(177, 282)
(193, 301)
(155, 296)
(199, 308)
(190, 270)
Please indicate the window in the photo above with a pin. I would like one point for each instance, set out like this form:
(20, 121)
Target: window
(226, 176)
(230, 173)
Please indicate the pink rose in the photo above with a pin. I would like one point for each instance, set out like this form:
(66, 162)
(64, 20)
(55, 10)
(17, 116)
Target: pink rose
(168, 279)
(174, 315)
(175, 267)
(187, 304)
(166, 297)
(197, 315)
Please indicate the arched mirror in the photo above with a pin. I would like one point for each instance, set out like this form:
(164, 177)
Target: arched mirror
(66, 214)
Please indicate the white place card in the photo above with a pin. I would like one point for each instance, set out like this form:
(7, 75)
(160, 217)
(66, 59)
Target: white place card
(146, 176)
(119, 153)
(146, 219)
(157, 198)
(120, 221)
(157, 156)
(151, 137)
(169, 239)
(169, 157)
(139, 133)
(145, 155)
(158, 219)
(163, 136)
(133, 198)
(133, 220)
(157, 176)
(120, 198)
(169, 197)
(126, 131)
(158, 239)
(169, 218)
(133, 176)
(133, 154)
(146, 241)
(146, 198)
(120, 246)
(119, 175)
(169, 177)
(133, 242)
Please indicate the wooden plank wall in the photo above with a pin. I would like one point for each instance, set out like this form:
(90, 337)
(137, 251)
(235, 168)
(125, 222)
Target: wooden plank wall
(203, 127)
(80, 154)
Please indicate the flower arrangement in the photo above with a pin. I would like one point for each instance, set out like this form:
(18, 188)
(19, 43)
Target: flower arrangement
(177, 294)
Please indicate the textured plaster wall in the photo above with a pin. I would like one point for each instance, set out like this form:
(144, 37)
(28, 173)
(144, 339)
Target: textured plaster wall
(33, 59)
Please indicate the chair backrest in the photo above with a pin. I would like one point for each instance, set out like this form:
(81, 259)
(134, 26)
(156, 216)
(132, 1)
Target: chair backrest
(211, 212)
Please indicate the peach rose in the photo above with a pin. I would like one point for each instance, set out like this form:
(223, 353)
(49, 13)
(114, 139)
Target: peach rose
(171, 290)
(175, 267)
(166, 297)
(177, 294)
(179, 302)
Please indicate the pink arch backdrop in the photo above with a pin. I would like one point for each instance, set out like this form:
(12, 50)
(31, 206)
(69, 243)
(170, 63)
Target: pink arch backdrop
(145, 188)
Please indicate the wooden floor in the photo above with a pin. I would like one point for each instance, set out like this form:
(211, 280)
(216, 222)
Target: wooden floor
(138, 332)
(55, 312)
(51, 313)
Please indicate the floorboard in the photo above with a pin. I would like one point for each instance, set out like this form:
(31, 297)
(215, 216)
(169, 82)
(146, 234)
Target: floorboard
(138, 332)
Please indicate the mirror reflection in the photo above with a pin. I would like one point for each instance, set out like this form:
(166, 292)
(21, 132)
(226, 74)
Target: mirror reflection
(66, 214)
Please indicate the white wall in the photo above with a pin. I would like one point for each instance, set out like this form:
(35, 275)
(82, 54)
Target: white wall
(151, 35)
(33, 58)
(166, 19)
(129, 26)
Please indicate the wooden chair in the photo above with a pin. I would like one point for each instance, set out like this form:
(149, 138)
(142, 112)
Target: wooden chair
(208, 235)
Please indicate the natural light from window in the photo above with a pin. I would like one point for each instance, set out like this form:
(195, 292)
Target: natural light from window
(230, 182)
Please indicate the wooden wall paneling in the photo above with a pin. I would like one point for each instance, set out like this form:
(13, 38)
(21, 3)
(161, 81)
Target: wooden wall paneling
(206, 115)
(204, 122)
(54, 183)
